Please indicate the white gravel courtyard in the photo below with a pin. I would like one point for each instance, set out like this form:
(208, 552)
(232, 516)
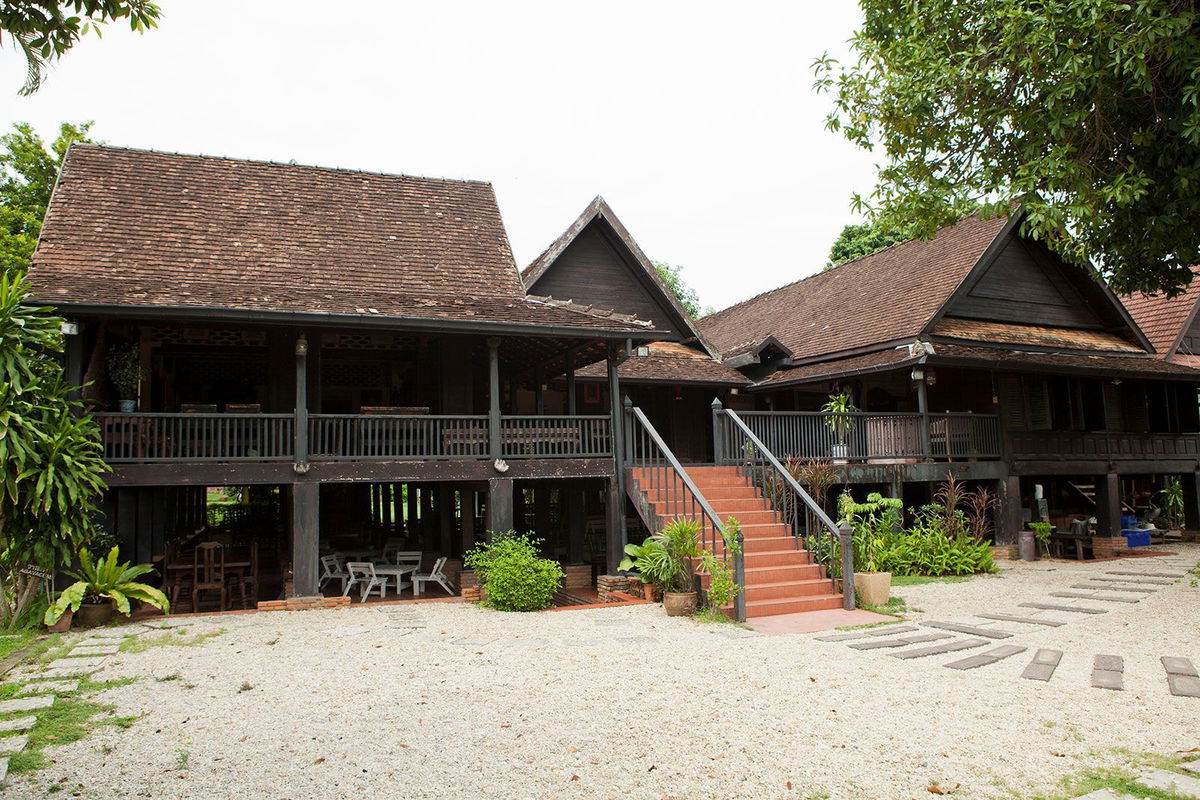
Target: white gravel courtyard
(446, 700)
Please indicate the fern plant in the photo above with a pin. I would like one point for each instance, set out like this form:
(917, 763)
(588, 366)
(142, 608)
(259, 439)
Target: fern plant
(102, 578)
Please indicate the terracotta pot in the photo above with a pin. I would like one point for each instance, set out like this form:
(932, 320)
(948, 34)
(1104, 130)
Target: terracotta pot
(651, 593)
(93, 614)
(873, 588)
(679, 604)
(64, 623)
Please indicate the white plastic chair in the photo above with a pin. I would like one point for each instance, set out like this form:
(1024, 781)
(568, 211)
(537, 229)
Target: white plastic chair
(404, 558)
(434, 574)
(362, 574)
(332, 569)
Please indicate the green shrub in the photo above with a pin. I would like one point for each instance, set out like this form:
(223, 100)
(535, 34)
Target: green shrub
(514, 575)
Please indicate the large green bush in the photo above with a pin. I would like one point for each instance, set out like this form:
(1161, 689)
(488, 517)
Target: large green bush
(514, 575)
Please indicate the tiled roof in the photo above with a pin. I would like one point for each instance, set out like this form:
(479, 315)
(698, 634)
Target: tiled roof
(1105, 363)
(878, 361)
(1031, 335)
(138, 228)
(670, 362)
(1163, 319)
(887, 296)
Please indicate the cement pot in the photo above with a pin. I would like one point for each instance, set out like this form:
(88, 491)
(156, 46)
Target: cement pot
(874, 588)
(679, 604)
(92, 615)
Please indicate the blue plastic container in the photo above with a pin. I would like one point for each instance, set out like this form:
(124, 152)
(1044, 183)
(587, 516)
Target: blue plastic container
(1137, 538)
(1127, 522)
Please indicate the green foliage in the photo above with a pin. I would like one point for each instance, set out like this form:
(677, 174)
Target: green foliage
(515, 577)
(680, 540)
(125, 370)
(651, 561)
(856, 241)
(688, 298)
(874, 523)
(1041, 532)
(51, 471)
(722, 588)
(839, 408)
(1174, 512)
(1085, 113)
(43, 30)
(98, 579)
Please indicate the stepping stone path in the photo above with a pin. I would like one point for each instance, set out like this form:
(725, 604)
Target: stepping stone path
(1144, 581)
(50, 687)
(1166, 781)
(1110, 588)
(1093, 596)
(25, 704)
(1076, 609)
(475, 641)
(11, 745)
(96, 650)
(937, 649)
(1182, 678)
(989, 633)
(987, 657)
(17, 724)
(886, 631)
(1191, 766)
(1043, 665)
(403, 620)
(1050, 623)
(900, 641)
(1106, 794)
(1108, 672)
(1148, 574)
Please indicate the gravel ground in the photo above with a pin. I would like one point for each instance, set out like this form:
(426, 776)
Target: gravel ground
(624, 702)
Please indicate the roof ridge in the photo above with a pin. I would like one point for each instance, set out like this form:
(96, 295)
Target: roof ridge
(270, 163)
(589, 310)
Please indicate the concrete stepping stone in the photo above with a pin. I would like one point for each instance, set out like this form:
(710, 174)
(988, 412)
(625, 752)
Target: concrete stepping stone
(1191, 766)
(3, 769)
(49, 687)
(26, 704)
(528, 644)
(987, 633)
(887, 631)
(937, 649)
(1106, 794)
(85, 662)
(1145, 581)
(1108, 672)
(1093, 596)
(987, 657)
(11, 745)
(900, 641)
(475, 641)
(1182, 679)
(1147, 574)
(1111, 588)
(1076, 609)
(95, 650)
(117, 633)
(1042, 667)
(17, 724)
(1050, 623)
(1166, 781)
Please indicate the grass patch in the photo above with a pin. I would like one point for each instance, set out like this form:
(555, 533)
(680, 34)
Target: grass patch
(921, 580)
(868, 625)
(15, 640)
(1120, 779)
(71, 718)
(178, 638)
(713, 617)
(895, 607)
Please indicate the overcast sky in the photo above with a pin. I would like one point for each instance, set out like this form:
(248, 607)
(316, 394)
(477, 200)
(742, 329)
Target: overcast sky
(695, 120)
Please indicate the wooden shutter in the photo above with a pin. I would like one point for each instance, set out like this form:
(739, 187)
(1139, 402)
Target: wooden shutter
(1037, 393)
(1012, 402)
(1114, 412)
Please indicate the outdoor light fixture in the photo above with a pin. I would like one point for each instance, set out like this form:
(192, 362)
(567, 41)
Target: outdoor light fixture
(643, 351)
(69, 328)
(301, 346)
(931, 378)
(918, 374)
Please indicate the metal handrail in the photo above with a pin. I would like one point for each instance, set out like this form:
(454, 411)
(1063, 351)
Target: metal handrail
(668, 477)
(838, 535)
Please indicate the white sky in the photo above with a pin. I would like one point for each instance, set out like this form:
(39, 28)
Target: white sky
(695, 120)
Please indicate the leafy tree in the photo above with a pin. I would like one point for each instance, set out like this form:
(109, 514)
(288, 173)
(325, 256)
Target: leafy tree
(856, 241)
(28, 171)
(43, 30)
(51, 470)
(686, 295)
(1086, 113)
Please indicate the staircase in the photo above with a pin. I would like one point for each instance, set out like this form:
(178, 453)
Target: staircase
(780, 577)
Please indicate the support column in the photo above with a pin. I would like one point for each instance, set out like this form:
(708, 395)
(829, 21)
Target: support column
(541, 512)
(468, 519)
(305, 538)
(500, 505)
(572, 405)
(494, 448)
(1008, 510)
(73, 358)
(411, 519)
(445, 506)
(539, 393)
(575, 524)
(617, 536)
(1191, 500)
(300, 458)
(923, 407)
(1108, 505)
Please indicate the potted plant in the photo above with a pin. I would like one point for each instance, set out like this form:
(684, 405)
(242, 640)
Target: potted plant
(102, 586)
(653, 564)
(1173, 511)
(872, 522)
(680, 543)
(1041, 532)
(841, 422)
(125, 373)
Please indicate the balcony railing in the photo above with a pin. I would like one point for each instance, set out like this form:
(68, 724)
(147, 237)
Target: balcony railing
(1081, 445)
(862, 436)
(161, 437)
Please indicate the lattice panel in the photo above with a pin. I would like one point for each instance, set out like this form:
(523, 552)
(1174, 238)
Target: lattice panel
(216, 337)
(215, 370)
(354, 373)
(366, 341)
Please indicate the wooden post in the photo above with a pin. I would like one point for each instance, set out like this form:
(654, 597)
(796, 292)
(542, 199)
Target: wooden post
(500, 505)
(300, 458)
(468, 519)
(617, 536)
(718, 439)
(539, 394)
(846, 540)
(541, 512)
(445, 504)
(73, 362)
(305, 538)
(494, 448)
(411, 519)
(575, 524)
(1108, 505)
(923, 407)
(572, 405)
(1008, 510)
(1191, 500)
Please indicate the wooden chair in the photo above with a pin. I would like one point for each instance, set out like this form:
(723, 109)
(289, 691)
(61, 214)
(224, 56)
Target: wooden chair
(332, 570)
(208, 572)
(434, 574)
(246, 582)
(362, 574)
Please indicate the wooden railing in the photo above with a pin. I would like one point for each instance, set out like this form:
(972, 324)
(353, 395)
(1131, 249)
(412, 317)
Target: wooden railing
(196, 437)
(1082, 445)
(163, 437)
(862, 436)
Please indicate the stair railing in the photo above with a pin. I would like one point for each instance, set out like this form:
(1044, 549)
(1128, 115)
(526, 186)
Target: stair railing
(661, 474)
(828, 543)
